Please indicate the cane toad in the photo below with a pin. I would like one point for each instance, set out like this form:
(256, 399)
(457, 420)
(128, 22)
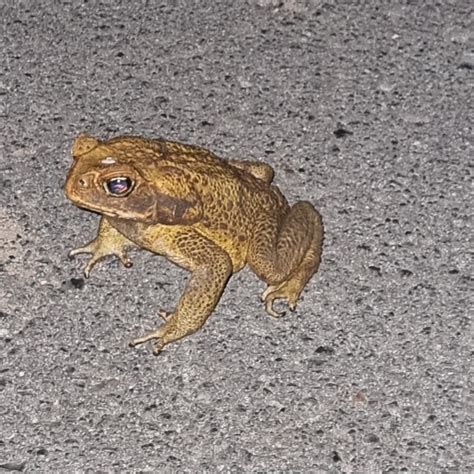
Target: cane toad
(209, 215)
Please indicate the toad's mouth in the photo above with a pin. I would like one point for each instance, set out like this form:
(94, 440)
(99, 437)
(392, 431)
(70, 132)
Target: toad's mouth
(144, 215)
(88, 204)
(97, 209)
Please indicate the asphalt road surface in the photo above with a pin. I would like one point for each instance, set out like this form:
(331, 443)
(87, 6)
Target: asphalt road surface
(363, 108)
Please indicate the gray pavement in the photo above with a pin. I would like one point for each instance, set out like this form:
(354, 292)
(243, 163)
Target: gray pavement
(364, 108)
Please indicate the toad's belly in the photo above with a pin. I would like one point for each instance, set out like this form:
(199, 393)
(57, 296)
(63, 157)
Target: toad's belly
(160, 239)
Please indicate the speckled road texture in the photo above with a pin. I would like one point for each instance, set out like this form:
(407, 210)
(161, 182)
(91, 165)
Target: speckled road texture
(363, 108)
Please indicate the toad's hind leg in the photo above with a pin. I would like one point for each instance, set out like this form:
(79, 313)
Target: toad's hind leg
(286, 254)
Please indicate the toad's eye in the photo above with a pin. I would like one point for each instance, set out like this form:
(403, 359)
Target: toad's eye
(119, 186)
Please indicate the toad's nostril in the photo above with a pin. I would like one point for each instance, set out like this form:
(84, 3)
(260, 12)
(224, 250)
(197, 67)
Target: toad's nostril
(83, 182)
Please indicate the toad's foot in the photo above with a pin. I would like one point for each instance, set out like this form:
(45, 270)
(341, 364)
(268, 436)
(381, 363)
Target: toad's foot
(99, 251)
(288, 290)
(154, 335)
(160, 335)
(109, 241)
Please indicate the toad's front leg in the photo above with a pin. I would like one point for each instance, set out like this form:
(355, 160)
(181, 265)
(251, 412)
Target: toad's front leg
(211, 267)
(109, 241)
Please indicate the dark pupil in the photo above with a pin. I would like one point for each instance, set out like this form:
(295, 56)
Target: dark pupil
(119, 186)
